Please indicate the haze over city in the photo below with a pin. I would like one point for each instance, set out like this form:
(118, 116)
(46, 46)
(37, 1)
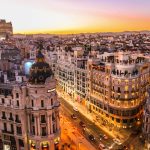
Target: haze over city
(69, 16)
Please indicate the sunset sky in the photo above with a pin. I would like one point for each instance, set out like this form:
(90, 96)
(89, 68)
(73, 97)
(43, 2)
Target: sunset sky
(75, 16)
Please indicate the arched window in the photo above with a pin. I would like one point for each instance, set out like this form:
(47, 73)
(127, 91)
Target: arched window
(32, 103)
(42, 103)
(51, 101)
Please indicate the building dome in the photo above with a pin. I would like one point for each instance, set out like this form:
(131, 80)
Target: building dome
(40, 70)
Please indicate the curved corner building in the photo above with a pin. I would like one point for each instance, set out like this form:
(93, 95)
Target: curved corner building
(29, 116)
(118, 88)
(42, 107)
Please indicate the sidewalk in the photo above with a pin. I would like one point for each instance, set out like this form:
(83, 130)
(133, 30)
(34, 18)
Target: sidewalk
(121, 134)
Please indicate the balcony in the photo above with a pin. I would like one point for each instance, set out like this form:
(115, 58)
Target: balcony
(7, 132)
(43, 134)
(18, 121)
(19, 133)
(11, 119)
(3, 117)
(43, 121)
(32, 120)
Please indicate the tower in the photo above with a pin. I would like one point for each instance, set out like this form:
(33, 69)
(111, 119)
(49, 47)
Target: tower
(43, 130)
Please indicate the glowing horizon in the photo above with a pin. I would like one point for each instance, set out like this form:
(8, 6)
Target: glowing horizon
(69, 16)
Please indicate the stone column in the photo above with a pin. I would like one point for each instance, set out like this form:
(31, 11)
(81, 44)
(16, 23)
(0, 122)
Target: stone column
(38, 125)
(48, 122)
(51, 123)
(17, 143)
(29, 124)
(35, 124)
(57, 122)
(15, 130)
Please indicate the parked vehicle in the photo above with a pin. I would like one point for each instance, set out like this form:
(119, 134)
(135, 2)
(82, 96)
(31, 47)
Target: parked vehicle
(91, 137)
(82, 124)
(117, 141)
(75, 108)
(73, 116)
(100, 137)
(101, 146)
(105, 137)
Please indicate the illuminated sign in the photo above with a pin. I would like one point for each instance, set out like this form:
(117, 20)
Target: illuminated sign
(27, 66)
(50, 90)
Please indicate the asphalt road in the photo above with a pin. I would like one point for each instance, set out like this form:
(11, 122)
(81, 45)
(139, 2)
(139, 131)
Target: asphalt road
(91, 127)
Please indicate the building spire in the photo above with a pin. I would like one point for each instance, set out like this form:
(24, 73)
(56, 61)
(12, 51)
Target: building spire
(40, 56)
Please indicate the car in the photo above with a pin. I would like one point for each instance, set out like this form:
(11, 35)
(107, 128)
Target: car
(75, 108)
(101, 146)
(100, 136)
(82, 124)
(117, 141)
(73, 116)
(125, 147)
(91, 137)
(105, 137)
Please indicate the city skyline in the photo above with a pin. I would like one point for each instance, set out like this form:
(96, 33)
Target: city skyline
(76, 16)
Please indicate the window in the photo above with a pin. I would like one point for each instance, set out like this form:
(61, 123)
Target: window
(12, 128)
(118, 120)
(17, 119)
(124, 120)
(5, 126)
(19, 130)
(17, 95)
(51, 101)
(43, 120)
(54, 130)
(3, 115)
(32, 118)
(131, 120)
(32, 103)
(119, 90)
(53, 117)
(43, 131)
(3, 101)
(11, 116)
(17, 103)
(42, 103)
(33, 130)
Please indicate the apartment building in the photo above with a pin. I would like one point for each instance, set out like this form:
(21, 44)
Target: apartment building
(72, 73)
(112, 85)
(118, 88)
(65, 74)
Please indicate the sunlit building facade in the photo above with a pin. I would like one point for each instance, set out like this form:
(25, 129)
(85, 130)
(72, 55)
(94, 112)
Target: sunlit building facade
(118, 88)
(29, 116)
(5, 29)
(71, 73)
